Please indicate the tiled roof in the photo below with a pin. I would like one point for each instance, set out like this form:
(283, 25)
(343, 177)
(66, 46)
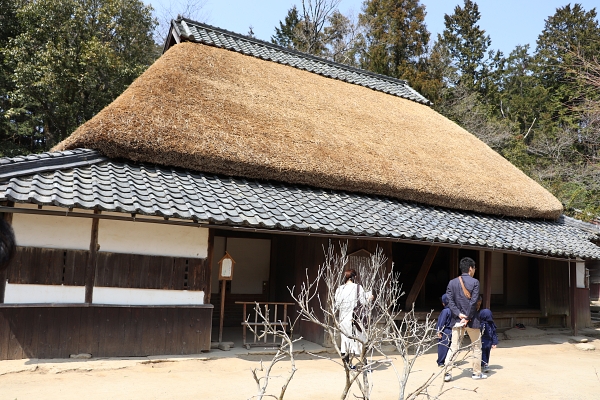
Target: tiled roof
(146, 189)
(36, 163)
(201, 33)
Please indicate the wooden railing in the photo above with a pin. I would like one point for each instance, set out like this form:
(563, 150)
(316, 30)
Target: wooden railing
(270, 310)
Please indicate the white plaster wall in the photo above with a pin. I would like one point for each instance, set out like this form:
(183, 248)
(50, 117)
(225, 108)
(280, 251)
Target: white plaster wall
(252, 263)
(146, 297)
(497, 273)
(52, 232)
(33, 294)
(580, 273)
(152, 239)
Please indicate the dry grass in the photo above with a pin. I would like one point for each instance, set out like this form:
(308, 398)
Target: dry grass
(217, 111)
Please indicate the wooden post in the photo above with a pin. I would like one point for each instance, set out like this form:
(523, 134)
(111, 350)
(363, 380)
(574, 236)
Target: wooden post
(4, 273)
(572, 292)
(90, 270)
(223, 286)
(416, 288)
(487, 274)
(209, 263)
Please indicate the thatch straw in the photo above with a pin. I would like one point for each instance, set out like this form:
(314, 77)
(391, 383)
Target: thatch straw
(218, 111)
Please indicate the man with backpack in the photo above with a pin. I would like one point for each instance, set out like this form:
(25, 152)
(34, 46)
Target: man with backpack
(463, 293)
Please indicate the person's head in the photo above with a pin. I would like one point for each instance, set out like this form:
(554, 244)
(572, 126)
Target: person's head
(467, 266)
(445, 299)
(479, 301)
(485, 315)
(349, 275)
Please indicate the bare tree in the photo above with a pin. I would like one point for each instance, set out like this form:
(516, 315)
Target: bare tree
(384, 329)
(192, 9)
(411, 337)
(315, 14)
(343, 38)
(276, 329)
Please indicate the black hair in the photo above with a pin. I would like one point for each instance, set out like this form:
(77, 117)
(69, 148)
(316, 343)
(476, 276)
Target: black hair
(349, 274)
(465, 264)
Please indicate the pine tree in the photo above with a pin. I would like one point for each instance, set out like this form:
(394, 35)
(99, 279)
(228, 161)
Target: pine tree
(468, 45)
(396, 36)
(569, 32)
(285, 35)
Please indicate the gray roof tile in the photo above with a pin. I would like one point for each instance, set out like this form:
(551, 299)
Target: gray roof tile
(144, 189)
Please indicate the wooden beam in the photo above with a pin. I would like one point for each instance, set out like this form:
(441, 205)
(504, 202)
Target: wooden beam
(90, 270)
(4, 273)
(416, 288)
(487, 274)
(572, 291)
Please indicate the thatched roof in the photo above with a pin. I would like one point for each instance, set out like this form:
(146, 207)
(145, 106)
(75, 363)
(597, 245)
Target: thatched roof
(219, 111)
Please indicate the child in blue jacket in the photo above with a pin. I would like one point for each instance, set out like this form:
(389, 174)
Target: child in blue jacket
(489, 338)
(444, 332)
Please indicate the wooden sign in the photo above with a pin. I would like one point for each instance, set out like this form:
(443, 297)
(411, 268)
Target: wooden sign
(226, 267)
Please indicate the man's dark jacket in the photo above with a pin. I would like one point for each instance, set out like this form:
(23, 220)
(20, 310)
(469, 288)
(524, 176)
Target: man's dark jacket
(459, 303)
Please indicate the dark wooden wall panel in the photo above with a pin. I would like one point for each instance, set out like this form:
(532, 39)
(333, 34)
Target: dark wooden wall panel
(35, 265)
(595, 291)
(582, 307)
(151, 272)
(554, 287)
(103, 331)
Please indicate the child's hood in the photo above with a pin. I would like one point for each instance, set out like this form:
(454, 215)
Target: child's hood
(445, 300)
(485, 315)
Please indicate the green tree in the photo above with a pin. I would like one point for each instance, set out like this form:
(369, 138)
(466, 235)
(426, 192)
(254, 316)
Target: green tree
(570, 31)
(468, 45)
(9, 26)
(71, 58)
(285, 35)
(396, 37)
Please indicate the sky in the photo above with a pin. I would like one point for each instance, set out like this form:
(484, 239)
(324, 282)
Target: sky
(508, 22)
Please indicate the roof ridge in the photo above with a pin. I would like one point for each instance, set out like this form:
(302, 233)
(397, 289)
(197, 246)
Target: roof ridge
(11, 167)
(189, 35)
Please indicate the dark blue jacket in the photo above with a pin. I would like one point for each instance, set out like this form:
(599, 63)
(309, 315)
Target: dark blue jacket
(458, 302)
(445, 318)
(489, 336)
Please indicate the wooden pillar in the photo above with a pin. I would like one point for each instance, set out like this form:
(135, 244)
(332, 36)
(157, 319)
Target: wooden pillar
(453, 271)
(416, 288)
(572, 291)
(487, 274)
(4, 273)
(90, 270)
(209, 263)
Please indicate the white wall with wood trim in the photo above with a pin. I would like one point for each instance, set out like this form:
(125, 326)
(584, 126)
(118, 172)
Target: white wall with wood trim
(39, 294)
(140, 297)
(152, 239)
(51, 231)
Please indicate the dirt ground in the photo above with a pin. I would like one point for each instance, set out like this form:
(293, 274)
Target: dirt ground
(537, 368)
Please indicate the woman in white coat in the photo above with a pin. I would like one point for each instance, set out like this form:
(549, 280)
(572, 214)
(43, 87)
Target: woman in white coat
(346, 298)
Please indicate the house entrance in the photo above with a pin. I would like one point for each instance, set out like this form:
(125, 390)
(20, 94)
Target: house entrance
(250, 281)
